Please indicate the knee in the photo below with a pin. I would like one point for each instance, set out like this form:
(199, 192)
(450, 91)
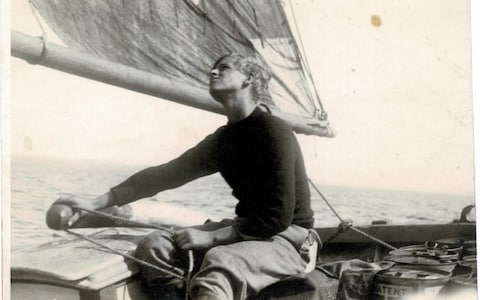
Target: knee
(216, 276)
(219, 254)
(157, 249)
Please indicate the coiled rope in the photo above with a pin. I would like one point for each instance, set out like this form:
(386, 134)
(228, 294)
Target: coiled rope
(346, 225)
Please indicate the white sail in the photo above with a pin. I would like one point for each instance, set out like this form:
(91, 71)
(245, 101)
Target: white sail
(180, 40)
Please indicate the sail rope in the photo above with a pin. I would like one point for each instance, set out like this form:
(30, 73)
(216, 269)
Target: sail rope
(188, 278)
(124, 220)
(345, 225)
(169, 269)
(165, 269)
(130, 257)
(304, 59)
(43, 38)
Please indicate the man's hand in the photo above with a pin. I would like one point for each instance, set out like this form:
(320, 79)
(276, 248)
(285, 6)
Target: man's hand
(64, 212)
(190, 238)
(72, 200)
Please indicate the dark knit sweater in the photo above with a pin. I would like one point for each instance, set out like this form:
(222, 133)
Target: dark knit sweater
(259, 157)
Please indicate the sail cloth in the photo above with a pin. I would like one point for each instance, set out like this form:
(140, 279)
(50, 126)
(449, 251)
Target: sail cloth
(181, 39)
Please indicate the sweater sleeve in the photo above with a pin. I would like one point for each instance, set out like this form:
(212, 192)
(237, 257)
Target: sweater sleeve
(272, 210)
(194, 163)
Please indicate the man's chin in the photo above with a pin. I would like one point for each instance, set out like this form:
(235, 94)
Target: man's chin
(216, 95)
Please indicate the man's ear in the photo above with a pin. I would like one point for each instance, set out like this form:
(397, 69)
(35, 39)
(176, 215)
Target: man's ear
(248, 81)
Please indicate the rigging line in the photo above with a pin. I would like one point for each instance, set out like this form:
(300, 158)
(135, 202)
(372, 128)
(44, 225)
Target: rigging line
(125, 220)
(307, 67)
(139, 261)
(37, 18)
(298, 53)
(305, 59)
(259, 33)
(44, 37)
(191, 263)
(343, 227)
(348, 224)
(326, 201)
(374, 238)
(255, 29)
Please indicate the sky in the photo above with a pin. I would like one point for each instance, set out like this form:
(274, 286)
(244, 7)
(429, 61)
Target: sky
(394, 77)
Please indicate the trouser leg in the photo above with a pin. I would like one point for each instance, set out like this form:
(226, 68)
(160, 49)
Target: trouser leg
(158, 249)
(228, 272)
(242, 269)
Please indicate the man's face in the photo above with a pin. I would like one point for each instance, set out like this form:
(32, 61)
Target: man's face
(225, 78)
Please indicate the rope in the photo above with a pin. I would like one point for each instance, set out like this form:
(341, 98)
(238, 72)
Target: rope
(326, 201)
(306, 64)
(43, 38)
(125, 220)
(189, 273)
(342, 227)
(140, 262)
(374, 238)
(345, 225)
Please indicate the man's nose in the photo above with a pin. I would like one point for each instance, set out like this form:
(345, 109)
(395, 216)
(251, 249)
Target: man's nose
(214, 72)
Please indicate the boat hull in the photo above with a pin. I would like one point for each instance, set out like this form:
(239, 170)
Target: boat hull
(86, 272)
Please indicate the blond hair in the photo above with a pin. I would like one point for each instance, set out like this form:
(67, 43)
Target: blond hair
(258, 68)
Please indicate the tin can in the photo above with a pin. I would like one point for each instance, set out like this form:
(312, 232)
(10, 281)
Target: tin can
(399, 282)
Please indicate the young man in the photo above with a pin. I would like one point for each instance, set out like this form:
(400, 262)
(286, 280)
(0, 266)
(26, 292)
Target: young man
(259, 157)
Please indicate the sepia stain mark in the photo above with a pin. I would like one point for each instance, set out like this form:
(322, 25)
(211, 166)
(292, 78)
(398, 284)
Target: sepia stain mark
(376, 21)
(28, 143)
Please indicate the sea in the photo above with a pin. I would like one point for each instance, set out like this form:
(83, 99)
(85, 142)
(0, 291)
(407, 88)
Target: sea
(36, 183)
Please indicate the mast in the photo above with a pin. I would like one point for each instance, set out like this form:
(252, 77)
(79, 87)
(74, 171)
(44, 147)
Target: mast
(36, 51)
